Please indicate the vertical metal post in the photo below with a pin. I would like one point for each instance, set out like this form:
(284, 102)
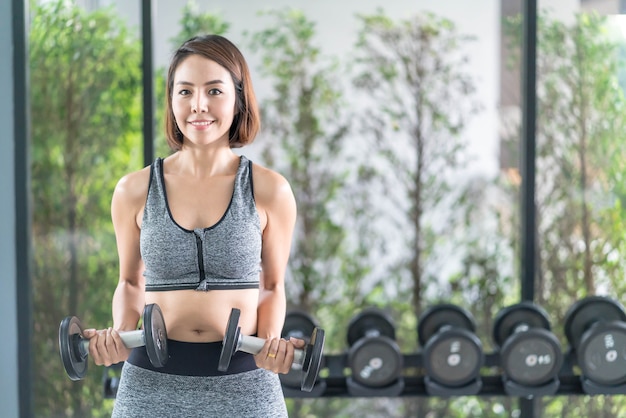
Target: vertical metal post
(147, 67)
(527, 164)
(21, 219)
(529, 109)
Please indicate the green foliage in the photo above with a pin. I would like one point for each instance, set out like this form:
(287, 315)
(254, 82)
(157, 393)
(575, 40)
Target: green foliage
(580, 159)
(418, 97)
(193, 23)
(305, 128)
(85, 80)
(580, 172)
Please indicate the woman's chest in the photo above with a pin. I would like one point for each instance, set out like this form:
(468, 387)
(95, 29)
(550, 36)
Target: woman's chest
(199, 203)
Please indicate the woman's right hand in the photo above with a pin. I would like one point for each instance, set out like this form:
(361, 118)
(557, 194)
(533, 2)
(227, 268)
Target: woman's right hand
(106, 346)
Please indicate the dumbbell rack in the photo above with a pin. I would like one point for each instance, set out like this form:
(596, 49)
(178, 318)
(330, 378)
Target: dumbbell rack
(333, 382)
(593, 364)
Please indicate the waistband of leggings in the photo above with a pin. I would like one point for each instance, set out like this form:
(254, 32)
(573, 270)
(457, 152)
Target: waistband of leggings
(194, 359)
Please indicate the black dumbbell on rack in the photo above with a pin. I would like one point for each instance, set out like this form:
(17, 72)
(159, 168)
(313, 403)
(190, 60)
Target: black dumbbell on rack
(595, 328)
(111, 380)
(374, 357)
(452, 353)
(74, 348)
(530, 354)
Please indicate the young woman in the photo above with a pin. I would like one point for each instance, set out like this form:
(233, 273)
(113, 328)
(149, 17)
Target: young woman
(199, 233)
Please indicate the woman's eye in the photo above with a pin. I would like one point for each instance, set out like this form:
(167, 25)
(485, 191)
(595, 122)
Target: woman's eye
(183, 92)
(215, 92)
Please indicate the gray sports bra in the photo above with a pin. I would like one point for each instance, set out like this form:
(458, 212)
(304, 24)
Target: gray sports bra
(226, 255)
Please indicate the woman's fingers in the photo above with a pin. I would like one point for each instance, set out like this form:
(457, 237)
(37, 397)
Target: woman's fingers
(278, 355)
(106, 347)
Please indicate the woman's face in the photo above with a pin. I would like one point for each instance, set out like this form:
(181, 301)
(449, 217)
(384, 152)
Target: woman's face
(203, 101)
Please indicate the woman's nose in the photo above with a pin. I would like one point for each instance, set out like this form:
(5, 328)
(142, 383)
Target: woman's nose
(199, 106)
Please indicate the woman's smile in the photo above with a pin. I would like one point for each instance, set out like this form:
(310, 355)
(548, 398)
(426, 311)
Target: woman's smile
(201, 124)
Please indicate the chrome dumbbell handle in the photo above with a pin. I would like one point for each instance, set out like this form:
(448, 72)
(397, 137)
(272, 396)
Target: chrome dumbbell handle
(131, 339)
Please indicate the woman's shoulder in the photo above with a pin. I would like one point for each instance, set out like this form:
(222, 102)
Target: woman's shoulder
(270, 185)
(134, 185)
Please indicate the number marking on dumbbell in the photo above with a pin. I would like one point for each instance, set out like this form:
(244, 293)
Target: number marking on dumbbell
(374, 356)
(605, 365)
(453, 354)
(596, 329)
(530, 353)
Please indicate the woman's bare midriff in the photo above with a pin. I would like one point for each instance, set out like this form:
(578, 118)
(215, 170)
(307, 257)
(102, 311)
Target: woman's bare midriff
(202, 316)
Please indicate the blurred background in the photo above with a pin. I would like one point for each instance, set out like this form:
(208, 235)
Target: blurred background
(399, 126)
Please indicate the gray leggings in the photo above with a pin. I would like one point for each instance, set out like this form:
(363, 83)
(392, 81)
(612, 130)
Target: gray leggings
(154, 394)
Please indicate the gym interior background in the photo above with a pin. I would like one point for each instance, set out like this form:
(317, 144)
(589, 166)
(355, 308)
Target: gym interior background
(436, 200)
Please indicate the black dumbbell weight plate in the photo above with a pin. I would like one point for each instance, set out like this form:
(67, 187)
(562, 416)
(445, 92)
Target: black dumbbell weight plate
(453, 357)
(532, 358)
(438, 316)
(368, 320)
(298, 325)
(292, 379)
(155, 335)
(229, 344)
(509, 318)
(584, 313)
(313, 359)
(602, 353)
(70, 335)
(375, 362)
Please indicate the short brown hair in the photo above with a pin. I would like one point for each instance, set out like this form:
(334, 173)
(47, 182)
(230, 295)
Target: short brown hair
(247, 121)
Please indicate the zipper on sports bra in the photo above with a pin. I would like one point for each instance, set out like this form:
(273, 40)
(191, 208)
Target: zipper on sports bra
(200, 259)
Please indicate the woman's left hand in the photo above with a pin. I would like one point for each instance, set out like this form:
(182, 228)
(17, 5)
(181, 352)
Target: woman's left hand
(277, 354)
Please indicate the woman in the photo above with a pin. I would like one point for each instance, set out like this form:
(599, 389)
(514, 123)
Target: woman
(194, 232)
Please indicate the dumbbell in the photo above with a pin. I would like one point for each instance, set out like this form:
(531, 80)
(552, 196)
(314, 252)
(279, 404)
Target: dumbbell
(452, 353)
(308, 360)
(298, 324)
(595, 328)
(374, 356)
(74, 348)
(530, 354)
